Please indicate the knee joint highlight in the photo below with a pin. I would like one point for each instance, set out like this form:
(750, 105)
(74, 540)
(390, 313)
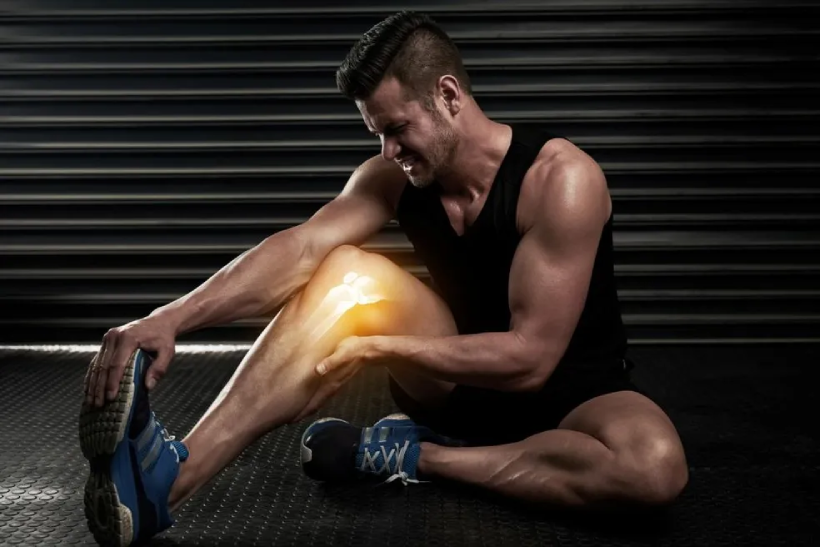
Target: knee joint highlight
(354, 290)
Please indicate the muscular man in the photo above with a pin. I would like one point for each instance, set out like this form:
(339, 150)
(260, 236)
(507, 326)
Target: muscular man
(511, 372)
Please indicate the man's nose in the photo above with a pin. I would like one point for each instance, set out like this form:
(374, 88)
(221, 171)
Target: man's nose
(390, 148)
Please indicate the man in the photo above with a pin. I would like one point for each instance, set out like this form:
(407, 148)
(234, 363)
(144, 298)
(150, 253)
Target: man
(512, 373)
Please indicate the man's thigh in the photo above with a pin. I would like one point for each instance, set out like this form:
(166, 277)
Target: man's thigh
(483, 417)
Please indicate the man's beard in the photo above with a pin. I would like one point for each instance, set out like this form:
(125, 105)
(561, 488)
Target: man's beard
(439, 158)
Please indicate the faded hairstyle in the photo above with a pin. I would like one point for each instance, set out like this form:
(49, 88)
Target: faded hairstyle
(408, 46)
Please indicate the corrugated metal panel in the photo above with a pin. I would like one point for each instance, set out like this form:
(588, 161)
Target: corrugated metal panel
(143, 145)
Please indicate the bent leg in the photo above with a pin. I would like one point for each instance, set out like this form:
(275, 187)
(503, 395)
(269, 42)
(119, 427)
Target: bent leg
(616, 450)
(276, 379)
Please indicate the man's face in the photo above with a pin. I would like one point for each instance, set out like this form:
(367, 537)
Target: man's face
(423, 143)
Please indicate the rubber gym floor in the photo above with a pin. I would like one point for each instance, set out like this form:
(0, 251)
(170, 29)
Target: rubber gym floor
(747, 416)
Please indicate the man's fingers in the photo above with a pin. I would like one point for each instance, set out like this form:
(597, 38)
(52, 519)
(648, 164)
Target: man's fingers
(326, 366)
(159, 367)
(94, 372)
(110, 376)
(87, 377)
(102, 370)
(90, 378)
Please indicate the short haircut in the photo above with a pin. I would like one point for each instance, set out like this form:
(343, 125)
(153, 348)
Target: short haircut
(408, 46)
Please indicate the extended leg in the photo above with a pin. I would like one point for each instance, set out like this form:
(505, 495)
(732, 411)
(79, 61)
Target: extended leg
(617, 449)
(275, 380)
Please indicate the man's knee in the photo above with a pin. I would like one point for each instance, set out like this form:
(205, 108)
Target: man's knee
(349, 258)
(392, 301)
(657, 474)
(344, 255)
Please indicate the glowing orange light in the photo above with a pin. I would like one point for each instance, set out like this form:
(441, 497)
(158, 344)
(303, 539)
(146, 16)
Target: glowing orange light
(355, 289)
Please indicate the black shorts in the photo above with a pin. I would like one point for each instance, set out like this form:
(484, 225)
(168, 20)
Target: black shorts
(485, 417)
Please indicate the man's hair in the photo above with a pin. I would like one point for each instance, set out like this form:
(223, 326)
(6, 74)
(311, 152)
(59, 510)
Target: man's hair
(408, 46)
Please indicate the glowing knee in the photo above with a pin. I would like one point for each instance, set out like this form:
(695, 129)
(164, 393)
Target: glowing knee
(355, 290)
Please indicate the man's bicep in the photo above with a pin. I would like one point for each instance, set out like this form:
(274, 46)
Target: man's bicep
(550, 277)
(547, 294)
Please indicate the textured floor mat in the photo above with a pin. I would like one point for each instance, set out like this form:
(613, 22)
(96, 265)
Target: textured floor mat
(747, 417)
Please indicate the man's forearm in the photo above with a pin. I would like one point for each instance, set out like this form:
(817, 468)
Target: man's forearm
(255, 283)
(495, 360)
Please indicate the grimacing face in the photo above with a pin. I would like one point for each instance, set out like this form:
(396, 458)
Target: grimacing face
(422, 142)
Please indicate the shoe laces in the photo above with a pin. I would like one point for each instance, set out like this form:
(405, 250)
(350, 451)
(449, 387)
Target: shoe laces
(165, 435)
(177, 447)
(397, 472)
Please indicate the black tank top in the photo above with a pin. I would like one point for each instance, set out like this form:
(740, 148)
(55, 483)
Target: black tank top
(471, 272)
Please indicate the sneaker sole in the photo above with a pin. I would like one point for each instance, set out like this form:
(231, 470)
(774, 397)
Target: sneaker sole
(101, 430)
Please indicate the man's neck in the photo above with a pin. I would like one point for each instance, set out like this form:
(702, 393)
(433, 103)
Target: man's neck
(481, 150)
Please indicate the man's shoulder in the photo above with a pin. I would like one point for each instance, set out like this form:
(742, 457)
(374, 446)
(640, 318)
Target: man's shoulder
(378, 178)
(558, 160)
(561, 176)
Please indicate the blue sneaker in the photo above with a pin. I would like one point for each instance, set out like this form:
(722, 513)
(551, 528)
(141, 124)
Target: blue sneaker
(133, 463)
(334, 450)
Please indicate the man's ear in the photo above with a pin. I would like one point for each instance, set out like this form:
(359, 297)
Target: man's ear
(450, 93)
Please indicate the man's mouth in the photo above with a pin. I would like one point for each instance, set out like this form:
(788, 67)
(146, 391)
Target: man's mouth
(408, 163)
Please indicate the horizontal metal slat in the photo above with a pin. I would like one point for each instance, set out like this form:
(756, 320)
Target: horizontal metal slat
(486, 76)
(622, 142)
(629, 201)
(339, 108)
(645, 167)
(283, 163)
(395, 241)
(508, 26)
(40, 10)
(695, 271)
(509, 90)
(797, 306)
(551, 116)
(626, 295)
(578, 63)
(627, 187)
(670, 319)
(177, 283)
(135, 226)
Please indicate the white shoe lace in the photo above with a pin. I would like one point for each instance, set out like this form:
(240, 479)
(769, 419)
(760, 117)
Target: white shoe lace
(168, 438)
(164, 431)
(369, 463)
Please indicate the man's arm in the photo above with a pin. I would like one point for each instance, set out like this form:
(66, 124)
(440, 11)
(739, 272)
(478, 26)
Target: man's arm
(263, 278)
(549, 280)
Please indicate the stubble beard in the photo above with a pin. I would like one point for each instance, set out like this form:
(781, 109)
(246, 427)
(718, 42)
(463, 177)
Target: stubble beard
(438, 161)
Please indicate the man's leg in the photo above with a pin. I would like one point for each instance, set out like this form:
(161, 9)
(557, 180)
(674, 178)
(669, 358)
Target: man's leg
(276, 379)
(616, 450)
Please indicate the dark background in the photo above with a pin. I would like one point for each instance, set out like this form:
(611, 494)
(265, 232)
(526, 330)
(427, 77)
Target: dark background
(145, 144)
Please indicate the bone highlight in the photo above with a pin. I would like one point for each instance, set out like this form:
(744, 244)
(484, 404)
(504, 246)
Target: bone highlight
(356, 290)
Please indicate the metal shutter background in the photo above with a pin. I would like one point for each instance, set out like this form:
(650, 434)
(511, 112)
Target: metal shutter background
(144, 144)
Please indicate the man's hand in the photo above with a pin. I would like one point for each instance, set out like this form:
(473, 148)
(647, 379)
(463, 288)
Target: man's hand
(333, 372)
(155, 334)
(349, 355)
